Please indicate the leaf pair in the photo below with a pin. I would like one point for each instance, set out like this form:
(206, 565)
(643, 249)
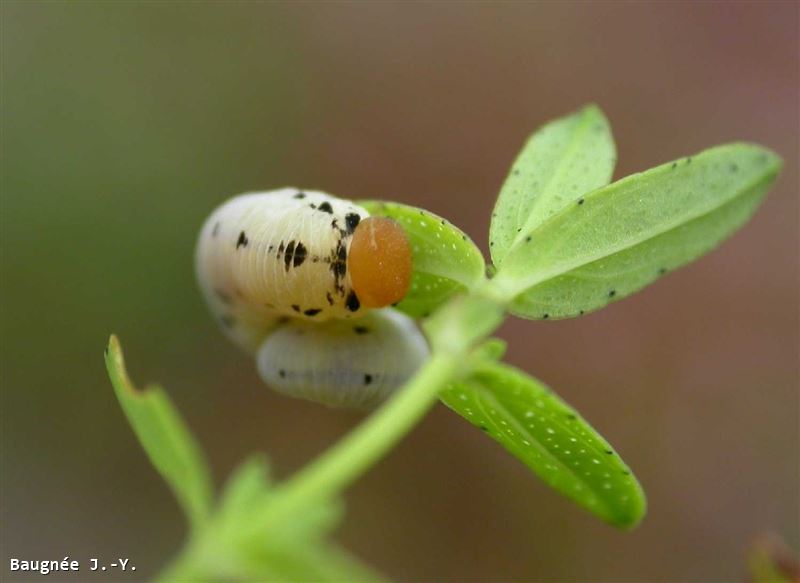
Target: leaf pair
(565, 244)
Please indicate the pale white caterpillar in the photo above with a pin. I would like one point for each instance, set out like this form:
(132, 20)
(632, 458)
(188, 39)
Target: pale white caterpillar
(293, 267)
(352, 363)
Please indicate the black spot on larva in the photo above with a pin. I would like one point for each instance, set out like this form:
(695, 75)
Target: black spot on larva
(352, 302)
(519, 230)
(280, 248)
(227, 321)
(215, 230)
(612, 293)
(300, 194)
(224, 297)
(313, 206)
(341, 252)
(360, 330)
(242, 240)
(545, 316)
(491, 243)
(289, 256)
(422, 213)
(426, 314)
(395, 304)
(484, 428)
(733, 168)
(312, 311)
(527, 239)
(300, 253)
(295, 307)
(662, 271)
(352, 220)
(570, 416)
(283, 319)
(581, 312)
(626, 473)
(271, 248)
(515, 172)
(674, 165)
(282, 373)
(689, 160)
(329, 297)
(580, 201)
(463, 237)
(609, 452)
(367, 379)
(325, 207)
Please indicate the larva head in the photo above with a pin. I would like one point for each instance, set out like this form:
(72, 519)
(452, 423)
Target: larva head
(379, 262)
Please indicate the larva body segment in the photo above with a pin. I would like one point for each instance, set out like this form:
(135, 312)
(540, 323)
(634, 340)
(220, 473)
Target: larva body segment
(268, 256)
(343, 363)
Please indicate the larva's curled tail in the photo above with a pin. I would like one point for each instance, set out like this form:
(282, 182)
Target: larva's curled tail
(343, 363)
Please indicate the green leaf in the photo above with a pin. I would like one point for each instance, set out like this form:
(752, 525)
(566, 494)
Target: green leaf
(561, 162)
(551, 438)
(619, 238)
(164, 437)
(445, 260)
(463, 322)
(318, 562)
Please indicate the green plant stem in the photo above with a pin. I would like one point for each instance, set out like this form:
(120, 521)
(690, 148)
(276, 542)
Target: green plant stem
(350, 457)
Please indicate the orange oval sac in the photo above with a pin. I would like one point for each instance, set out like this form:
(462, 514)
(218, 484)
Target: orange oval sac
(379, 262)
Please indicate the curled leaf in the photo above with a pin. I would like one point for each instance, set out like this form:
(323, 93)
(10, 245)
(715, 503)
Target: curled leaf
(445, 261)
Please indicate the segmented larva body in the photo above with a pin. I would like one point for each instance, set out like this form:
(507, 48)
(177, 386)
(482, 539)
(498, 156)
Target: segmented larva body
(289, 271)
(350, 363)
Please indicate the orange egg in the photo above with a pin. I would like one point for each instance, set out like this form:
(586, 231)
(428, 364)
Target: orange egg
(379, 262)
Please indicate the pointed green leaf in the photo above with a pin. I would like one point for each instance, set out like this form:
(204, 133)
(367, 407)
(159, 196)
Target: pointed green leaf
(445, 260)
(561, 162)
(619, 238)
(165, 438)
(551, 438)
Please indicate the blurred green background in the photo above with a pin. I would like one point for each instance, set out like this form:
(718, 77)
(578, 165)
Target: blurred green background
(124, 124)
